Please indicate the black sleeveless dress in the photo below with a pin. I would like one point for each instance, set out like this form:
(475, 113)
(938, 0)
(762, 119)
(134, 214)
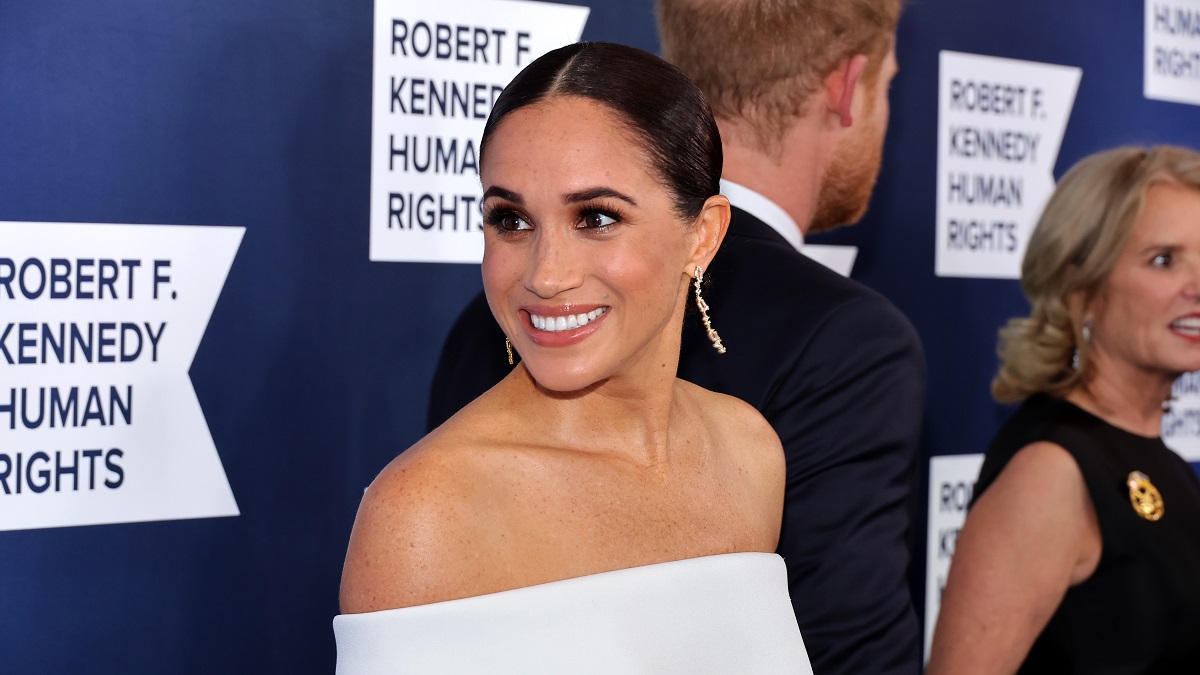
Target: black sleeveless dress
(1140, 611)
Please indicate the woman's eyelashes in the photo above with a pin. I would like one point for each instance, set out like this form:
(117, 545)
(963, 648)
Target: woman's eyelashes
(505, 220)
(590, 217)
(597, 218)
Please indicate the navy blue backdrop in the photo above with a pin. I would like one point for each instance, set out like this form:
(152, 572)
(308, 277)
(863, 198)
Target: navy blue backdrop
(314, 369)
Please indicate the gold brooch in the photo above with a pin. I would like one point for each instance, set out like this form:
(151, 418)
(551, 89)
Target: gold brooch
(1146, 499)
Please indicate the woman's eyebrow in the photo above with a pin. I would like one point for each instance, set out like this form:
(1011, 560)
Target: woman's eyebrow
(1161, 246)
(497, 191)
(596, 193)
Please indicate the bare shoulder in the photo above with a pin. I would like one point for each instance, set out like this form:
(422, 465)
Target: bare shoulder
(1044, 470)
(1040, 497)
(1030, 536)
(414, 529)
(737, 425)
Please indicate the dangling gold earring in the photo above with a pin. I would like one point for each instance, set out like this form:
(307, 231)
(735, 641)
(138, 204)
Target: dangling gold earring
(508, 348)
(703, 306)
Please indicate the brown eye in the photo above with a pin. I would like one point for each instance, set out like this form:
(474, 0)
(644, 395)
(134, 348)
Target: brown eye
(597, 220)
(507, 222)
(514, 223)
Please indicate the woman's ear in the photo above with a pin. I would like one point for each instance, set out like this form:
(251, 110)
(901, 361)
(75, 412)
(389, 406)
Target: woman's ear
(709, 231)
(1082, 305)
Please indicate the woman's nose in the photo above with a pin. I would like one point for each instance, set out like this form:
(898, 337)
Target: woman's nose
(556, 265)
(1191, 285)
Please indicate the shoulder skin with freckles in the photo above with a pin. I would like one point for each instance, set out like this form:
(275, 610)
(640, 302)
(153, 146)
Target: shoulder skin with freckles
(425, 519)
(425, 522)
(751, 442)
(414, 526)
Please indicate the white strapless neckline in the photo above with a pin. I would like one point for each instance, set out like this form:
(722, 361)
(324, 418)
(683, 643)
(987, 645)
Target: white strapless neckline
(726, 613)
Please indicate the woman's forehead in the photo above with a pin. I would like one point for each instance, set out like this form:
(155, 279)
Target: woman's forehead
(564, 136)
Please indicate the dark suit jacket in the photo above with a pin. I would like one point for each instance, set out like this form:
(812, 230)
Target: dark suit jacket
(839, 373)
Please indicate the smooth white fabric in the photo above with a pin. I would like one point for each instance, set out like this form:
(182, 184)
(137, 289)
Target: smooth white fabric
(725, 613)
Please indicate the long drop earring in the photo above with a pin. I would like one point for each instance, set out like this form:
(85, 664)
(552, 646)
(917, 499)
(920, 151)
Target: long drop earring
(703, 307)
(508, 348)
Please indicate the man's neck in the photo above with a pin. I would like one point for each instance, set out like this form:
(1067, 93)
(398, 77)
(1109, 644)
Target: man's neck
(764, 210)
(790, 177)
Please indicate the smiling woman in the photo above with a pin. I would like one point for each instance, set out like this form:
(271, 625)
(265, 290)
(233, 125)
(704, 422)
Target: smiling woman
(591, 512)
(1080, 552)
(587, 230)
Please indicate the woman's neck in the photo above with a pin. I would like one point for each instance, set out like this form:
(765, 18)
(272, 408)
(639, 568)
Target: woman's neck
(1127, 397)
(632, 418)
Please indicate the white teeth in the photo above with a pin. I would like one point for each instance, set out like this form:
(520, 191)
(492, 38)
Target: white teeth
(1189, 323)
(557, 324)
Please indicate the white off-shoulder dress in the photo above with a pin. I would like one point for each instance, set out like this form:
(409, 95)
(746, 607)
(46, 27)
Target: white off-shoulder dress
(726, 613)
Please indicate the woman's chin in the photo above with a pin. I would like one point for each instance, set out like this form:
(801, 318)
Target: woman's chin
(562, 378)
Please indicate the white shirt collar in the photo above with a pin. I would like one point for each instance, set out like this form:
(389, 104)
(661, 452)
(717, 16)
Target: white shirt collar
(765, 210)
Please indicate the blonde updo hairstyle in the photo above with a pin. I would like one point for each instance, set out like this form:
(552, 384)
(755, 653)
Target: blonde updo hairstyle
(1076, 243)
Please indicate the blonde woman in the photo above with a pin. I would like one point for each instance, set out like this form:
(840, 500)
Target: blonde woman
(1081, 553)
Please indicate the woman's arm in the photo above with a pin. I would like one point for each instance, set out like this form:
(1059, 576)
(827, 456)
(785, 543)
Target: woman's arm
(1032, 535)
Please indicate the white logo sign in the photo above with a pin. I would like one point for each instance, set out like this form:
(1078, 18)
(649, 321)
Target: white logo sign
(1172, 46)
(98, 327)
(439, 67)
(1181, 424)
(1000, 125)
(951, 484)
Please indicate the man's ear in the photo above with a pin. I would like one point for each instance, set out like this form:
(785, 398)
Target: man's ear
(841, 85)
(710, 227)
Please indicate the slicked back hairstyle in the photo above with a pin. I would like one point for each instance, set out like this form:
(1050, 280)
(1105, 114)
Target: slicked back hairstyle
(656, 101)
(1070, 253)
(762, 60)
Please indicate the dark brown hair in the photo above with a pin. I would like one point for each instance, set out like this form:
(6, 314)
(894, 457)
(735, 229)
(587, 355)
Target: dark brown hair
(657, 102)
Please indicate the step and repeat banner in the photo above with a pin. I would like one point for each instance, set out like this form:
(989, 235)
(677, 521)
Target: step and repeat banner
(99, 329)
(1001, 124)
(437, 70)
(234, 235)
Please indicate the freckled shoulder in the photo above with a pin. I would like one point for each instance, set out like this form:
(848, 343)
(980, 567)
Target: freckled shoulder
(416, 529)
(738, 426)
